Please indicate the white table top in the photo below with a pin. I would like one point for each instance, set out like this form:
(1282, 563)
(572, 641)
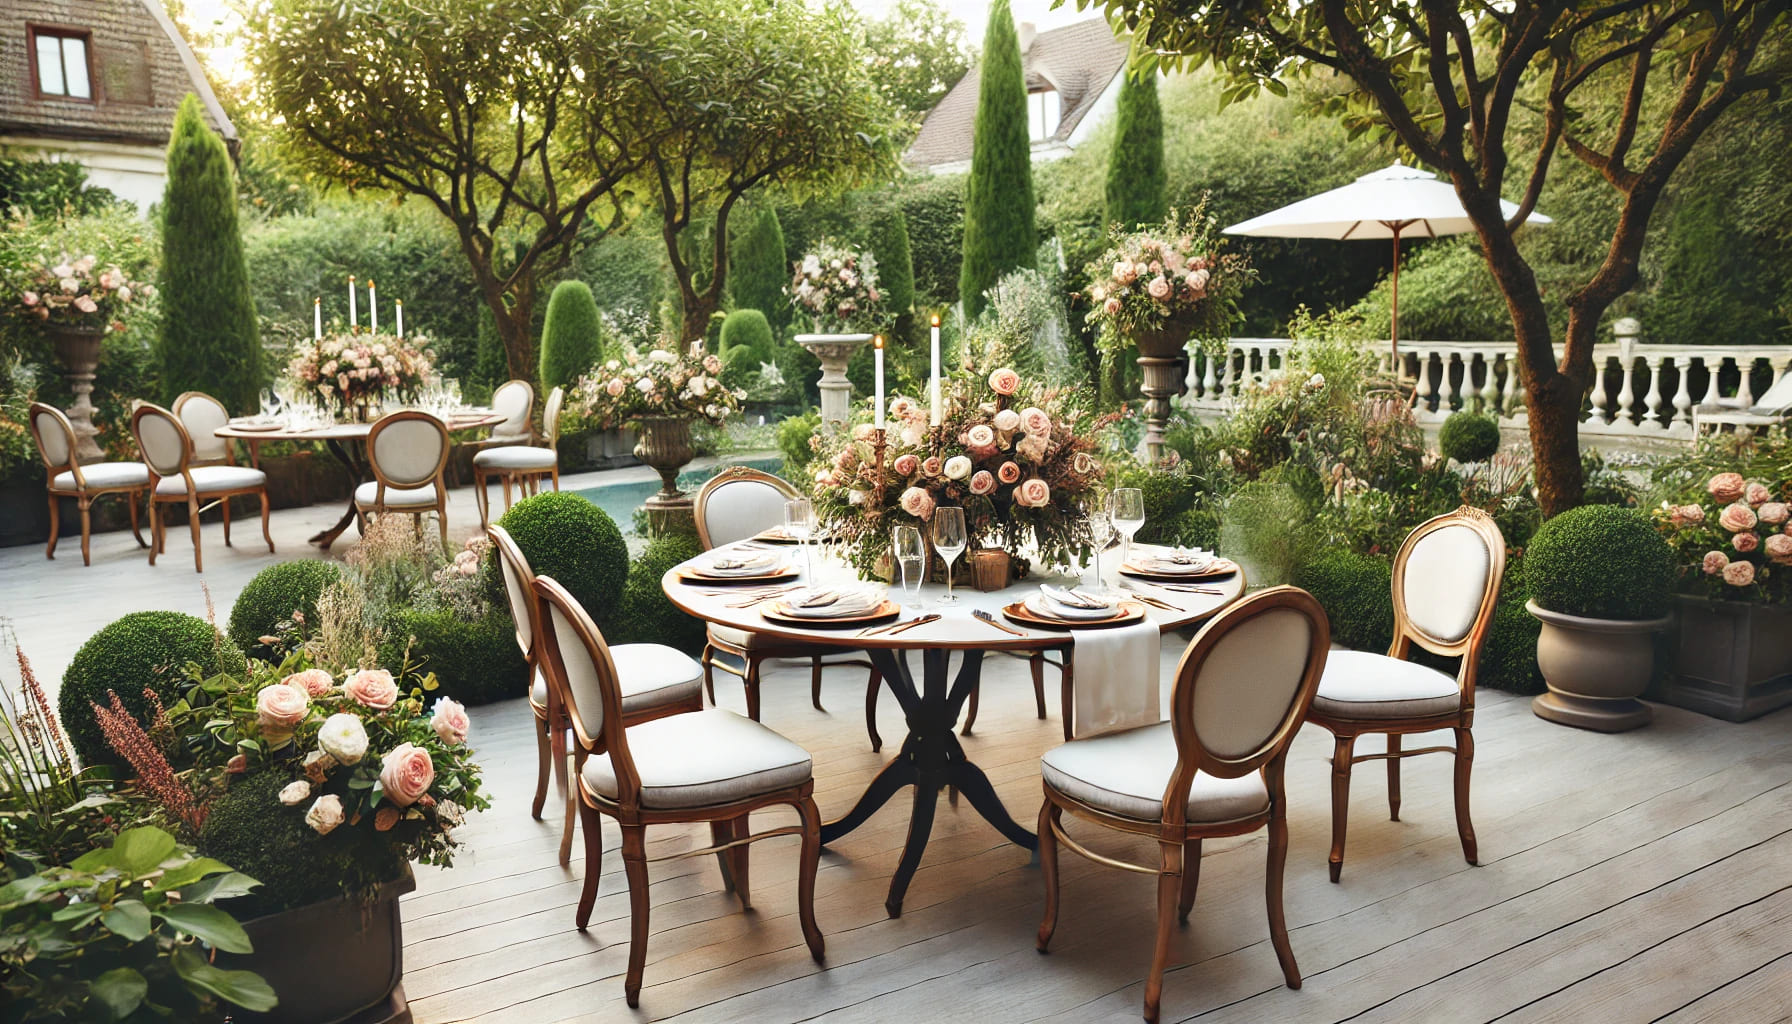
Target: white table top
(467, 420)
(957, 629)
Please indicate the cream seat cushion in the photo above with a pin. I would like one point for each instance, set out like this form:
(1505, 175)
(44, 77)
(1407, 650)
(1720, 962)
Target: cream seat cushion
(212, 478)
(747, 641)
(702, 759)
(1358, 684)
(102, 475)
(517, 456)
(1125, 773)
(651, 676)
(367, 495)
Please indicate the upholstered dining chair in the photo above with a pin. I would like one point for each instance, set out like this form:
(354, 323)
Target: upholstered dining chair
(202, 415)
(515, 401)
(711, 765)
(655, 680)
(64, 477)
(407, 451)
(1214, 769)
(1446, 585)
(522, 464)
(168, 451)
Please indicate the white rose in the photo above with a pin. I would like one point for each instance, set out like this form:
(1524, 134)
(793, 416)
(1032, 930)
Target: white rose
(343, 737)
(644, 385)
(325, 814)
(958, 467)
(660, 355)
(699, 386)
(295, 792)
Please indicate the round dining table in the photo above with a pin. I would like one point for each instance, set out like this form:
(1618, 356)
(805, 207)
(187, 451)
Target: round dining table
(347, 442)
(931, 757)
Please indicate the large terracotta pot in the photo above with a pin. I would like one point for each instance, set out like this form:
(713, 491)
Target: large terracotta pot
(1596, 669)
(78, 350)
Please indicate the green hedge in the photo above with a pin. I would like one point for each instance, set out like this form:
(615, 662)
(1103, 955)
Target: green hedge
(578, 544)
(274, 595)
(1356, 591)
(1601, 561)
(142, 650)
(646, 614)
(1469, 437)
(476, 662)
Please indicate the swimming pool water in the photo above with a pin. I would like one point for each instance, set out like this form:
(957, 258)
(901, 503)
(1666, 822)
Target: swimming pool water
(621, 500)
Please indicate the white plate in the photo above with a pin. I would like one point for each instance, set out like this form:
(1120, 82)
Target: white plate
(852, 603)
(755, 565)
(1039, 605)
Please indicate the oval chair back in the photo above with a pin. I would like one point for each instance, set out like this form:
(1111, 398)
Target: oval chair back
(519, 588)
(163, 439)
(202, 415)
(1243, 688)
(55, 439)
(738, 503)
(407, 449)
(576, 661)
(1446, 586)
(515, 401)
(550, 417)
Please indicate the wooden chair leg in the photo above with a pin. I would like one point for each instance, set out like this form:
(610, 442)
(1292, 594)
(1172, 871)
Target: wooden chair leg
(1465, 763)
(480, 498)
(1278, 920)
(442, 522)
(572, 802)
(634, 863)
(193, 521)
(55, 526)
(1037, 664)
(557, 744)
(872, 689)
(721, 831)
(225, 506)
(1341, 754)
(750, 682)
(1191, 877)
(1067, 701)
(131, 499)
(556, 476)
(805, 881)
(1393, 776)
(1049, 816)
(504, 478)
(737, 860)
(970, 711)
(1169, 893)
(86, 505)
(709, 673)
(544, 753)
(267, 532)
(592, 823)
(815, 682)
(155, 532)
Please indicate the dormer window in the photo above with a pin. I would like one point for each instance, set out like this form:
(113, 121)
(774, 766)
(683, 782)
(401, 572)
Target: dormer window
(1044, 109)
(60, 64)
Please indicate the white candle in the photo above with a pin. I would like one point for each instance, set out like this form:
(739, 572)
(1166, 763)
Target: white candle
(400, 304)
(351, 302)
(933, 386)
(317, 319)
(878, 348)
(373, 308)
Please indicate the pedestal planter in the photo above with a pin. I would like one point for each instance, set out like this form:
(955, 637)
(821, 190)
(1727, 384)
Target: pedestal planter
(1163, 357)
(834, 350)
(1596, 669)
(665, 444)
(335, 962)
(78, 350)
(1734, 661)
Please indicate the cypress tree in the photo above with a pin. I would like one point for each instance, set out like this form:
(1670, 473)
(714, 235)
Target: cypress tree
(572, 339)
(895, 268)
(757, 268)
(1137, 192)
(998, 211)
(209, 339)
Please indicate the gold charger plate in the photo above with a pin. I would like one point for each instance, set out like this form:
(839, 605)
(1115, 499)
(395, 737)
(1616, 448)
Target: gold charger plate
(1220, 570)
(775, 535)
(692, 576)
(777, 613)
(1128, 613)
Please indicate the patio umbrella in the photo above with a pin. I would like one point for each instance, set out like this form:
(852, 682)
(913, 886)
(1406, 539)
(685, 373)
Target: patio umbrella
(1382, 204)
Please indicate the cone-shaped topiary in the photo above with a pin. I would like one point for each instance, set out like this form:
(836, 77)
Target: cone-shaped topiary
(572, 338)
(209, 340)
(1601, 562)
(895, 267)
(566, 537)
(758, 269)
(1469, 437)
(999, 234)
(1137, 189)
(275, 594)
(646, 614)
(142, 650)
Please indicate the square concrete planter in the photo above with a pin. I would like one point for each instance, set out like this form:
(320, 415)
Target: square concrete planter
(1734, 661)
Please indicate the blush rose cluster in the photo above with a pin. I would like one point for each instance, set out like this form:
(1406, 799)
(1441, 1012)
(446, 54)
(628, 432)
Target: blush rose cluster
(1736, 534)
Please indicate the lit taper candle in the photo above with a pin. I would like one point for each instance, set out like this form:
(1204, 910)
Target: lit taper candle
(933, 385)
(317, 319)
(399, 303)
(351, 303)
(877, 345)
(373, 308)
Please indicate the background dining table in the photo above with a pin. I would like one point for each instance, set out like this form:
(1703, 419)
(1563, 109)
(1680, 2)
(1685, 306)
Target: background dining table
(931, 758)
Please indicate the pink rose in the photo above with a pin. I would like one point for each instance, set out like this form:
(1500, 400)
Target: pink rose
(373, 688)
(1736, 518)
(712, 365)
(615, 387)
(280, 708)
(1688, 515)
(980, 436)
(917, 502)
(1006, 420)
(1755, 494)
(1779, 549)
(906, 464)
(1033, 448)
(1112, 306)
(1745, 542)
(1198, 280)
(1033, 493)
(1084, 463)
(450, 722)
(86, 305)
(931, 465)
(30, 298)
(903, 408)
(1004, 381)
(1034, 420)
(983, 482)
(1773, 513)
(1727, 487)
(1008, 472)
(314, 681)
(1124, 273)
(1739, 574)
(406, 773)
(1714, 563)
(1158, 289)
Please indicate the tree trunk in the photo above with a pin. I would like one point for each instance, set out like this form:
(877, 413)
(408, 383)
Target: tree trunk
(518, 338)
(1555, 442)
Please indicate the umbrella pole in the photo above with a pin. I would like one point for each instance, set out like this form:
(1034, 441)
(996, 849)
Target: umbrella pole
(1394, 307)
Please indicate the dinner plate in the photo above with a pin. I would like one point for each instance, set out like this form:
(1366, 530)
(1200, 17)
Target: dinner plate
(754, 564)
(1045, 607)
(861, 600)
(781, 576)
(1129, 612)
(1219, 570)
(778, 613)
(258, 426)
(775, 535)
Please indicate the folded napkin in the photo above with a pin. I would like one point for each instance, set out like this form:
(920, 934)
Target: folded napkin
(1173, 561)
(831, 602)
(1061, 603)
(742, 563)
(1116, 679)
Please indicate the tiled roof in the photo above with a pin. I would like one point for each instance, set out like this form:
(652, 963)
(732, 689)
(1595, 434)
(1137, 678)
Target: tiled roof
(141, 68)
(1081, 59)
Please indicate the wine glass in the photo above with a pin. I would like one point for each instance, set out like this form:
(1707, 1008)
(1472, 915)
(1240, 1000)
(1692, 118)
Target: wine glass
(1127, 508)
(910, 552)
(950, 540)
(1101, 532)
(799, 525)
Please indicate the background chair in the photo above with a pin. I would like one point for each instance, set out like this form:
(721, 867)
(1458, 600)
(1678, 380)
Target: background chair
(1214, 769)
(407, 451)
(66, 478)
(168, 451)
(1773, 408)
(202, 415)
(712, 766)
(523, 464)
(1446, 583)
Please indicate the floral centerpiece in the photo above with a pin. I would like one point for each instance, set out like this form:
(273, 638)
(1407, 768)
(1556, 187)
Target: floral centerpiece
(836, 287)
(1159, 286)
(660, 383)
(1733, 538)
(349, 371)
(1018, 457)
(79, 293)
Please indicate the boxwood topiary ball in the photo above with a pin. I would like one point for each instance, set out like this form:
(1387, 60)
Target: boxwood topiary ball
(274, 594)
(566, 537)
(1602, 562)
(1469, 437)
(142, 650)
(646, 614)
(475, 662)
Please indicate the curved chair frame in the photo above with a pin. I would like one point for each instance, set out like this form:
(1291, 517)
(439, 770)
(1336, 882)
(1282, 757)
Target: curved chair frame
(83, 494)
(1179, 840)
(1345, 730)
(528, 481)
(437, 478)
(728, 822)
(193, 496)
(180, 403)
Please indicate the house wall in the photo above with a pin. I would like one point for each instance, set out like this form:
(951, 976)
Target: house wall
(133, 172)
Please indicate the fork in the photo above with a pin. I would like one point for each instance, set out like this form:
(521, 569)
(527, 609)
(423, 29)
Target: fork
(985, 617)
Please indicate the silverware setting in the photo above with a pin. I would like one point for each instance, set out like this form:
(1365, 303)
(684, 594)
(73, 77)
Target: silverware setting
(896, 627)
(987, 618)
(1141, 596)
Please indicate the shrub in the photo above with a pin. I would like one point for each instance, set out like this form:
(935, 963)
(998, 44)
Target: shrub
(747, 329)
(1137, 192)
(793, 442)
(274, 595)
(895, 265)
(572, 339)
(1600, 561)
(1469, 437)
(1509, 656)
(566, 537)
(142, 650)
(646, 614)
(475, 662)
(758, 269)
(294, 864)
(1356, 591)
(740, 365)
(1264, 528)
(999, 234)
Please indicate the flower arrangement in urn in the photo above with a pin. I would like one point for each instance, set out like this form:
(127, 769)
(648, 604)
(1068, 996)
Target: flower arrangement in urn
(1019, 458)
(1172, 281)
(660, 383)
(836, 287)
(79, 293)
(1733, 538)
(352, 371)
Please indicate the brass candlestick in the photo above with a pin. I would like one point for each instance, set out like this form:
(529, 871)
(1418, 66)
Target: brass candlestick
(879, 444)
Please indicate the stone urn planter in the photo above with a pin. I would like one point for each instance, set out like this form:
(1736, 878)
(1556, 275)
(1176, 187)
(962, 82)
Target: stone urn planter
(664, 442)
(1734, 660)
(1596, 669)
(78, 350)
(834, 351)
(1163, 357)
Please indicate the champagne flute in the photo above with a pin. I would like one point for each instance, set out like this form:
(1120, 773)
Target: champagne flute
(950, 540)
(910, 552)
(1127, 508)
(1101, 532)
(799, 525)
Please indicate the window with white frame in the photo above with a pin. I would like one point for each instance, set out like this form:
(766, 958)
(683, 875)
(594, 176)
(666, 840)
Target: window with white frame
(1043, 113)
(61, 59)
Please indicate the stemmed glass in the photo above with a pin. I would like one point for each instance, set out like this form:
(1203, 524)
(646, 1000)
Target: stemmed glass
(910, 552)
(1101, 532)
(1126, 506)
(950, 540)
(799, 525)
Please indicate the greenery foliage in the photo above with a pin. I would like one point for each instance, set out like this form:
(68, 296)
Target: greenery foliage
(296, 866)
(999, 234)
(1469, 437)
(918, 52)
(1356, 591)
(1137, 190)
(281, 593)
(566, 537)
(48, 188)
(747, 329)
(646, 614)
(794, 436)
(572, 340)
(759, 267)
(140, 651)
(895, 266)
(1602, 562)
(474, 661)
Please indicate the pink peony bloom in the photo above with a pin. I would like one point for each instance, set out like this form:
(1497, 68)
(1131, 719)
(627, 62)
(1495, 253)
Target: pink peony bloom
(450, 722)
(86, 305)
(1745, 542)
(373, 688)
(1739, 574)
(931, 465)
(1158, 289)
(1714, 562)
(31, 298)
(280, 708)
(1198, 280)
(1755, 494)
(1736, 518)
(1008, 472)
(1033, 493)
(980, 436)
(1004, 381)
(1688, 515)
(983, 482)
(314, 681)
(1773, 513)
(917, 502)
(406, 773)
(1727, 487)
(1779, 549)
(906, 464)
